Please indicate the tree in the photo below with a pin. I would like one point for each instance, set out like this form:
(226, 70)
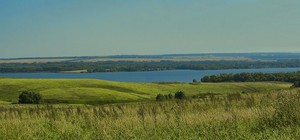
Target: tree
(30, 97)
(180, 95)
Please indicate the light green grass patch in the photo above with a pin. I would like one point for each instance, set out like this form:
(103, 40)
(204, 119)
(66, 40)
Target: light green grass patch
(83, 95)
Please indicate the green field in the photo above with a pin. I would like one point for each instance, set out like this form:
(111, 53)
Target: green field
(249, 116)
(260, 110)
(91, 91)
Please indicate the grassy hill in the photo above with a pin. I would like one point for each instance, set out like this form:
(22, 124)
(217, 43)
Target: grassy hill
(91, 91)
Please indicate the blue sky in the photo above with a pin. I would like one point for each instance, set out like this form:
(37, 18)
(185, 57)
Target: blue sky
(34, 28)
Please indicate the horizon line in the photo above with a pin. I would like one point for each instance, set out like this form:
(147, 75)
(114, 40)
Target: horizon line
(169, 54)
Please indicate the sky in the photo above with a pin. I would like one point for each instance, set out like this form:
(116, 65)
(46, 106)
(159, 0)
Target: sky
(50, 28)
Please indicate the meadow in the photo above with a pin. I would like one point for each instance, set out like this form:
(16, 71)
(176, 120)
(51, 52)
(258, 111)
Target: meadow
(91, 91)
(86, 109)
(236, 116)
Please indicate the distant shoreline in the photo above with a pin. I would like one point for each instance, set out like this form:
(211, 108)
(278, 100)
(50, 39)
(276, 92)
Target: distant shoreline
(252, 55)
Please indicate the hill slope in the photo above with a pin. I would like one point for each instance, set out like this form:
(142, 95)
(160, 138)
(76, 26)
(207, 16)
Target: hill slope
(90, 91)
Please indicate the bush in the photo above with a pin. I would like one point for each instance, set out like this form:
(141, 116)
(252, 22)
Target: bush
(30, 97)
(180, 95)
(195, 81)
(296, 84)
(170, 96)
(167, 97)
(160, 97)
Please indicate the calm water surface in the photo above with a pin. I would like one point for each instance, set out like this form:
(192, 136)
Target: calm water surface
(149, 76)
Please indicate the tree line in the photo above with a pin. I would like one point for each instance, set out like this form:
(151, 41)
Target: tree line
(115, 66)
(292, 77)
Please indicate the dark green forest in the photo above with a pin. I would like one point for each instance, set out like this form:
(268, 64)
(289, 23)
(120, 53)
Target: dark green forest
(115, 66)
(293, 77)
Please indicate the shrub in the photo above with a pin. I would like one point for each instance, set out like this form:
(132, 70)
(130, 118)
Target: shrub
(166, 97)
(296, 84)
(160, 97)
(195, 81)
(170, 96)
(180, 95)
(30, 97)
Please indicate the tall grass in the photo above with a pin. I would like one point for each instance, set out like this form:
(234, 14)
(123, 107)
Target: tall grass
(244, 116)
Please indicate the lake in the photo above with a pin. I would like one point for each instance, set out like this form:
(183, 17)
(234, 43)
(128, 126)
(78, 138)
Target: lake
(147, 76)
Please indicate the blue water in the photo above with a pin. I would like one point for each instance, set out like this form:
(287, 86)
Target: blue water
(149, 76)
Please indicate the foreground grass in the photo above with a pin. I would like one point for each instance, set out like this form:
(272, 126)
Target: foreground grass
(249, 116)
(90, 91)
